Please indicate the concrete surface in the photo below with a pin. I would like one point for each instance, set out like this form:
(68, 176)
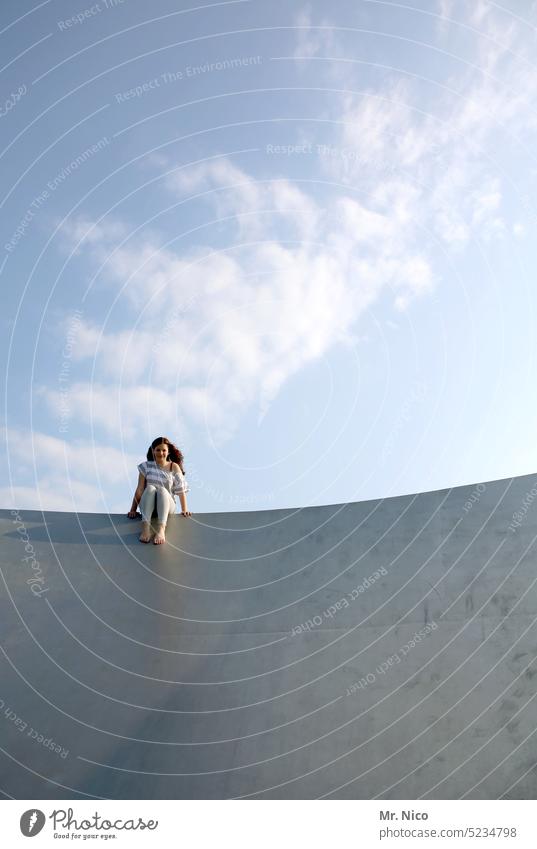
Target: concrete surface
(273, 654)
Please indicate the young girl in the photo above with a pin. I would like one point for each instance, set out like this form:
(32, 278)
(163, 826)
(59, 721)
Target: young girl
(160, 478)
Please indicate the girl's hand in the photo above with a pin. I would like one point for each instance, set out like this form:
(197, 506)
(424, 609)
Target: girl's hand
(132, 514)
(186, 513)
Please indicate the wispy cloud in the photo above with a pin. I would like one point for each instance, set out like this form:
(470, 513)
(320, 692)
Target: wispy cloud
(217, 331)
(314, 40)
(257, 314)
(444, 163)
(64, 474)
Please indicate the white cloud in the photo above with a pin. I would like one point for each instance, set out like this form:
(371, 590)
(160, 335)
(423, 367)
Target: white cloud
(117, 409)
(254, 318)
(445, 13)
(479, 11)
(519, 230)
(448, 160)
(80, 457)
(216, 331)
(83, 230)
(73, 474)
(313, 40)
(236, 195)
(75, 497)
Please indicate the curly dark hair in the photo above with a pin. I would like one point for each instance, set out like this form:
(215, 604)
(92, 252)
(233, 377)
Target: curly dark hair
(174, 454)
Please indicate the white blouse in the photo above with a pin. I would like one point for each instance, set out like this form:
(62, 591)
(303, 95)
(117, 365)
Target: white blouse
(174, 482)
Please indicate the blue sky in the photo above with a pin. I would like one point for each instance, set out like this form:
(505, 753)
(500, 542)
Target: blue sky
(296, 238)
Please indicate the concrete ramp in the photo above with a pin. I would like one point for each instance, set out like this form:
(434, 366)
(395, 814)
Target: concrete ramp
(383, 649)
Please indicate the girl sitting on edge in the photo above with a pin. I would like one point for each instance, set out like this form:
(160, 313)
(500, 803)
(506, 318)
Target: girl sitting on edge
(160, 478)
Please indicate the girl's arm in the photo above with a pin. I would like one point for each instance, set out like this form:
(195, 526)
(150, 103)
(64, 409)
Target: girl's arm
(137, 496)
(182, 494)
(184, 509)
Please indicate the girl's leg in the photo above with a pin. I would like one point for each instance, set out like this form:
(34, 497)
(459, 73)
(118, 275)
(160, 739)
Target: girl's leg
(165, 506)
(147, 505)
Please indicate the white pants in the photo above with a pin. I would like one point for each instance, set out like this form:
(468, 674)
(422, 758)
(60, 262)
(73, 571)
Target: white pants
(165, 503)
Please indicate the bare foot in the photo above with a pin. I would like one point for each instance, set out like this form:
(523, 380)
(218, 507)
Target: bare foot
(145, 536)
(159, 536)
